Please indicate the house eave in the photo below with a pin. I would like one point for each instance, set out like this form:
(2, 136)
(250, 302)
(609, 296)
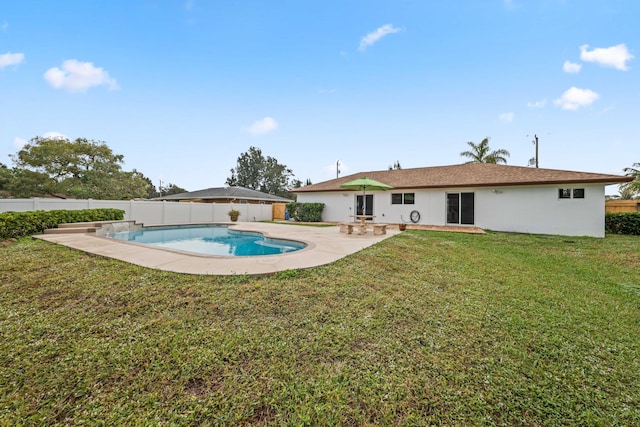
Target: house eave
(487, 184)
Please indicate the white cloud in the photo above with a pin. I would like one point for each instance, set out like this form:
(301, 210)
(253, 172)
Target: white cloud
(574, 98)
(571, 67)
(54, 135)
(373, 37)
(506, 117)
(11, 59)
(4, 26)
(614, 56)
(79, 76)
(19, 142)
(537, 104)
(263, 126)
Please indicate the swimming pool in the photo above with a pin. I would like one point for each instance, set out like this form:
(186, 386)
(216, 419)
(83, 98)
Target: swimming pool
(210, 240)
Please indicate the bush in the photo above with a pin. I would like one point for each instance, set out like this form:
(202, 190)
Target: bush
(18, 224)
(305, 212)
(622, 223)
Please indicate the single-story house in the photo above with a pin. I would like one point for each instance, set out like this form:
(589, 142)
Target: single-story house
(226, 195)
(493, 197)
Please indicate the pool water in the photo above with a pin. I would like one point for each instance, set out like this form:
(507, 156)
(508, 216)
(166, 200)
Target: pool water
(210, 240)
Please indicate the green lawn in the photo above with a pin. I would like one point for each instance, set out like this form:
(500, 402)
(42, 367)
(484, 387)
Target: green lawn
(424, 328)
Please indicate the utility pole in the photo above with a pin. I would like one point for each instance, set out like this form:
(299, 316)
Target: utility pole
(160, 188)
(337, 169)
(534, 160)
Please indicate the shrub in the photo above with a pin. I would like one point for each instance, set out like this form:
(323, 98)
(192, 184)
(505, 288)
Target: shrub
(18, 224)
(305, 212)
(622, 223)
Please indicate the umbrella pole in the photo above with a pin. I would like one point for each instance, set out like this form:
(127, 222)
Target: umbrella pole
(364, 201)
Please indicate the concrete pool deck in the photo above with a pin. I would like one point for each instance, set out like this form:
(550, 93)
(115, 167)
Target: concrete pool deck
(325, 245)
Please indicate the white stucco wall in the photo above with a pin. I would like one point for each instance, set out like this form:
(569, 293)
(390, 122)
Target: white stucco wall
(520, 209)
(539, 210)
(341, 205)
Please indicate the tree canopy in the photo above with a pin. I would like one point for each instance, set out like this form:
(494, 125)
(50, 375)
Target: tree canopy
(169, 189)
(257, 172)
(63, 168)
(5, 179)
(631, 189)
(481, 153)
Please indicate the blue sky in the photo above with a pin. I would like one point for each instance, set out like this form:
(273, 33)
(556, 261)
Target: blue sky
(182, 88)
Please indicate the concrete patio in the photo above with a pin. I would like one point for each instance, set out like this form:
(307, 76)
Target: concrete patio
(324, 245)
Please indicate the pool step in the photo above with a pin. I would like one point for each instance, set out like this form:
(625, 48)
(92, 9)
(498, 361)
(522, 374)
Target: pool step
(77, 227)
(80, 224)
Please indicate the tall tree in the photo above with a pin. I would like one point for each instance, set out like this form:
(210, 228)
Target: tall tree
(626, 192)
(631, 189)
(5, 180)
(481, 153)
(81, 168)
(170, 189)
(260, 173)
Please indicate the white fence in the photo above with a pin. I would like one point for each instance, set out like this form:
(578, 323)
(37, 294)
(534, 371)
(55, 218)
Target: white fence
(148, 212)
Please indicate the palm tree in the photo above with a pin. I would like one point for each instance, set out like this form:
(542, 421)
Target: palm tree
(396, 166)
(631, 188)
(481, 153)
(626, 192)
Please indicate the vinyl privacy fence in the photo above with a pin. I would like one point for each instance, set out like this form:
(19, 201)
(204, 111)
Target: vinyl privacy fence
(148, 212)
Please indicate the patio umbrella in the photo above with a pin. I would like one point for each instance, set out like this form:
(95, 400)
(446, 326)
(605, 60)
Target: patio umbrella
(365, 184)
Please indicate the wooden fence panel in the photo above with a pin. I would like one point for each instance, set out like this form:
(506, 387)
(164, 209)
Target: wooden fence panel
(622, 206)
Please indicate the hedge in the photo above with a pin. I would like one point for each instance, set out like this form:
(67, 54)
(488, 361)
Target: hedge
(305, 212)
(18, 224)
(622, 223)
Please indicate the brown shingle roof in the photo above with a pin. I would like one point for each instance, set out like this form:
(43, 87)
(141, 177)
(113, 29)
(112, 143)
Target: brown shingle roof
(469, 175)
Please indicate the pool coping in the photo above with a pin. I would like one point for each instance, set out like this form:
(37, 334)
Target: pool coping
(308, 244)
(325, 245)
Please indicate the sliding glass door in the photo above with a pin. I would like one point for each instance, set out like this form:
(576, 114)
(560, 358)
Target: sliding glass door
(460, 208)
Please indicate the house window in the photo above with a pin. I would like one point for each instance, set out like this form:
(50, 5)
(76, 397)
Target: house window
(403, 198)
(460, 208)
(578, 193)
(568, 193)
(564, 193)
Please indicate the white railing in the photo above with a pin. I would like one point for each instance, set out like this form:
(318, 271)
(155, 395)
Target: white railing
(148, 212)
